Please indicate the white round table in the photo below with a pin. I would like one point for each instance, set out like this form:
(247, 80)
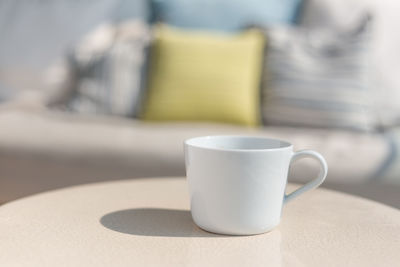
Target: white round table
(147, 222)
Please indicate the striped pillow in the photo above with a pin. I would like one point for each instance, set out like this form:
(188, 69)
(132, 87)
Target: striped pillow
(107, 69)
(317, 79)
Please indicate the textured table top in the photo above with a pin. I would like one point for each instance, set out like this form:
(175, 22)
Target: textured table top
(147, 222)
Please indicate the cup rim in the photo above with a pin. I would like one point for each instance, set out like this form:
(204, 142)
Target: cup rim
(189, 142)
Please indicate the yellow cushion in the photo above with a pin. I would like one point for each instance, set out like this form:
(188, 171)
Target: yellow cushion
(198, 76)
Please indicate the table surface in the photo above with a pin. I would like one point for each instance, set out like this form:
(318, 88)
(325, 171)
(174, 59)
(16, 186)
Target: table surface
(147, 222)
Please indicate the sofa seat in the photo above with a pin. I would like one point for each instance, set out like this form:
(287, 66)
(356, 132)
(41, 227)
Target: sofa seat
(44, 150)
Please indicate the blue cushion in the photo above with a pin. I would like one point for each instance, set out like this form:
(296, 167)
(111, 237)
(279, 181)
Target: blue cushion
(225, 15)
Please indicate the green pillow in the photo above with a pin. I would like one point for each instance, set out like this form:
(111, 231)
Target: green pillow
(198, 76)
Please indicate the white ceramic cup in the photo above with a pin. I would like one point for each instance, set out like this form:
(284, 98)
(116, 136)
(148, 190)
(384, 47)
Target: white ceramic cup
(237, 184)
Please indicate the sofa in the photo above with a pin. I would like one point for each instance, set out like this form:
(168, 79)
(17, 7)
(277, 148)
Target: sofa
(42, 148)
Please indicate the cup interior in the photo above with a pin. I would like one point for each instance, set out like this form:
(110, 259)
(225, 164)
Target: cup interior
(237, 143)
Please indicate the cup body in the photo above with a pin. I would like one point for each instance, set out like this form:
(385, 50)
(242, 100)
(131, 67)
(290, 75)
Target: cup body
(237, 184)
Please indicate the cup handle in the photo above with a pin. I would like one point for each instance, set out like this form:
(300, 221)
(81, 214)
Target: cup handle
(323, 171)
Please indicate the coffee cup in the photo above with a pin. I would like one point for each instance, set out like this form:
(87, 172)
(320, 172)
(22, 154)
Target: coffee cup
(237, 183)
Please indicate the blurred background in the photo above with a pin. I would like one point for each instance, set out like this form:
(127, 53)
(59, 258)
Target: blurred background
(109, 89)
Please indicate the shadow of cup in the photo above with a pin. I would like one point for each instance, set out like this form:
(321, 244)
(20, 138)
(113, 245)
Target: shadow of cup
(154, 222)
